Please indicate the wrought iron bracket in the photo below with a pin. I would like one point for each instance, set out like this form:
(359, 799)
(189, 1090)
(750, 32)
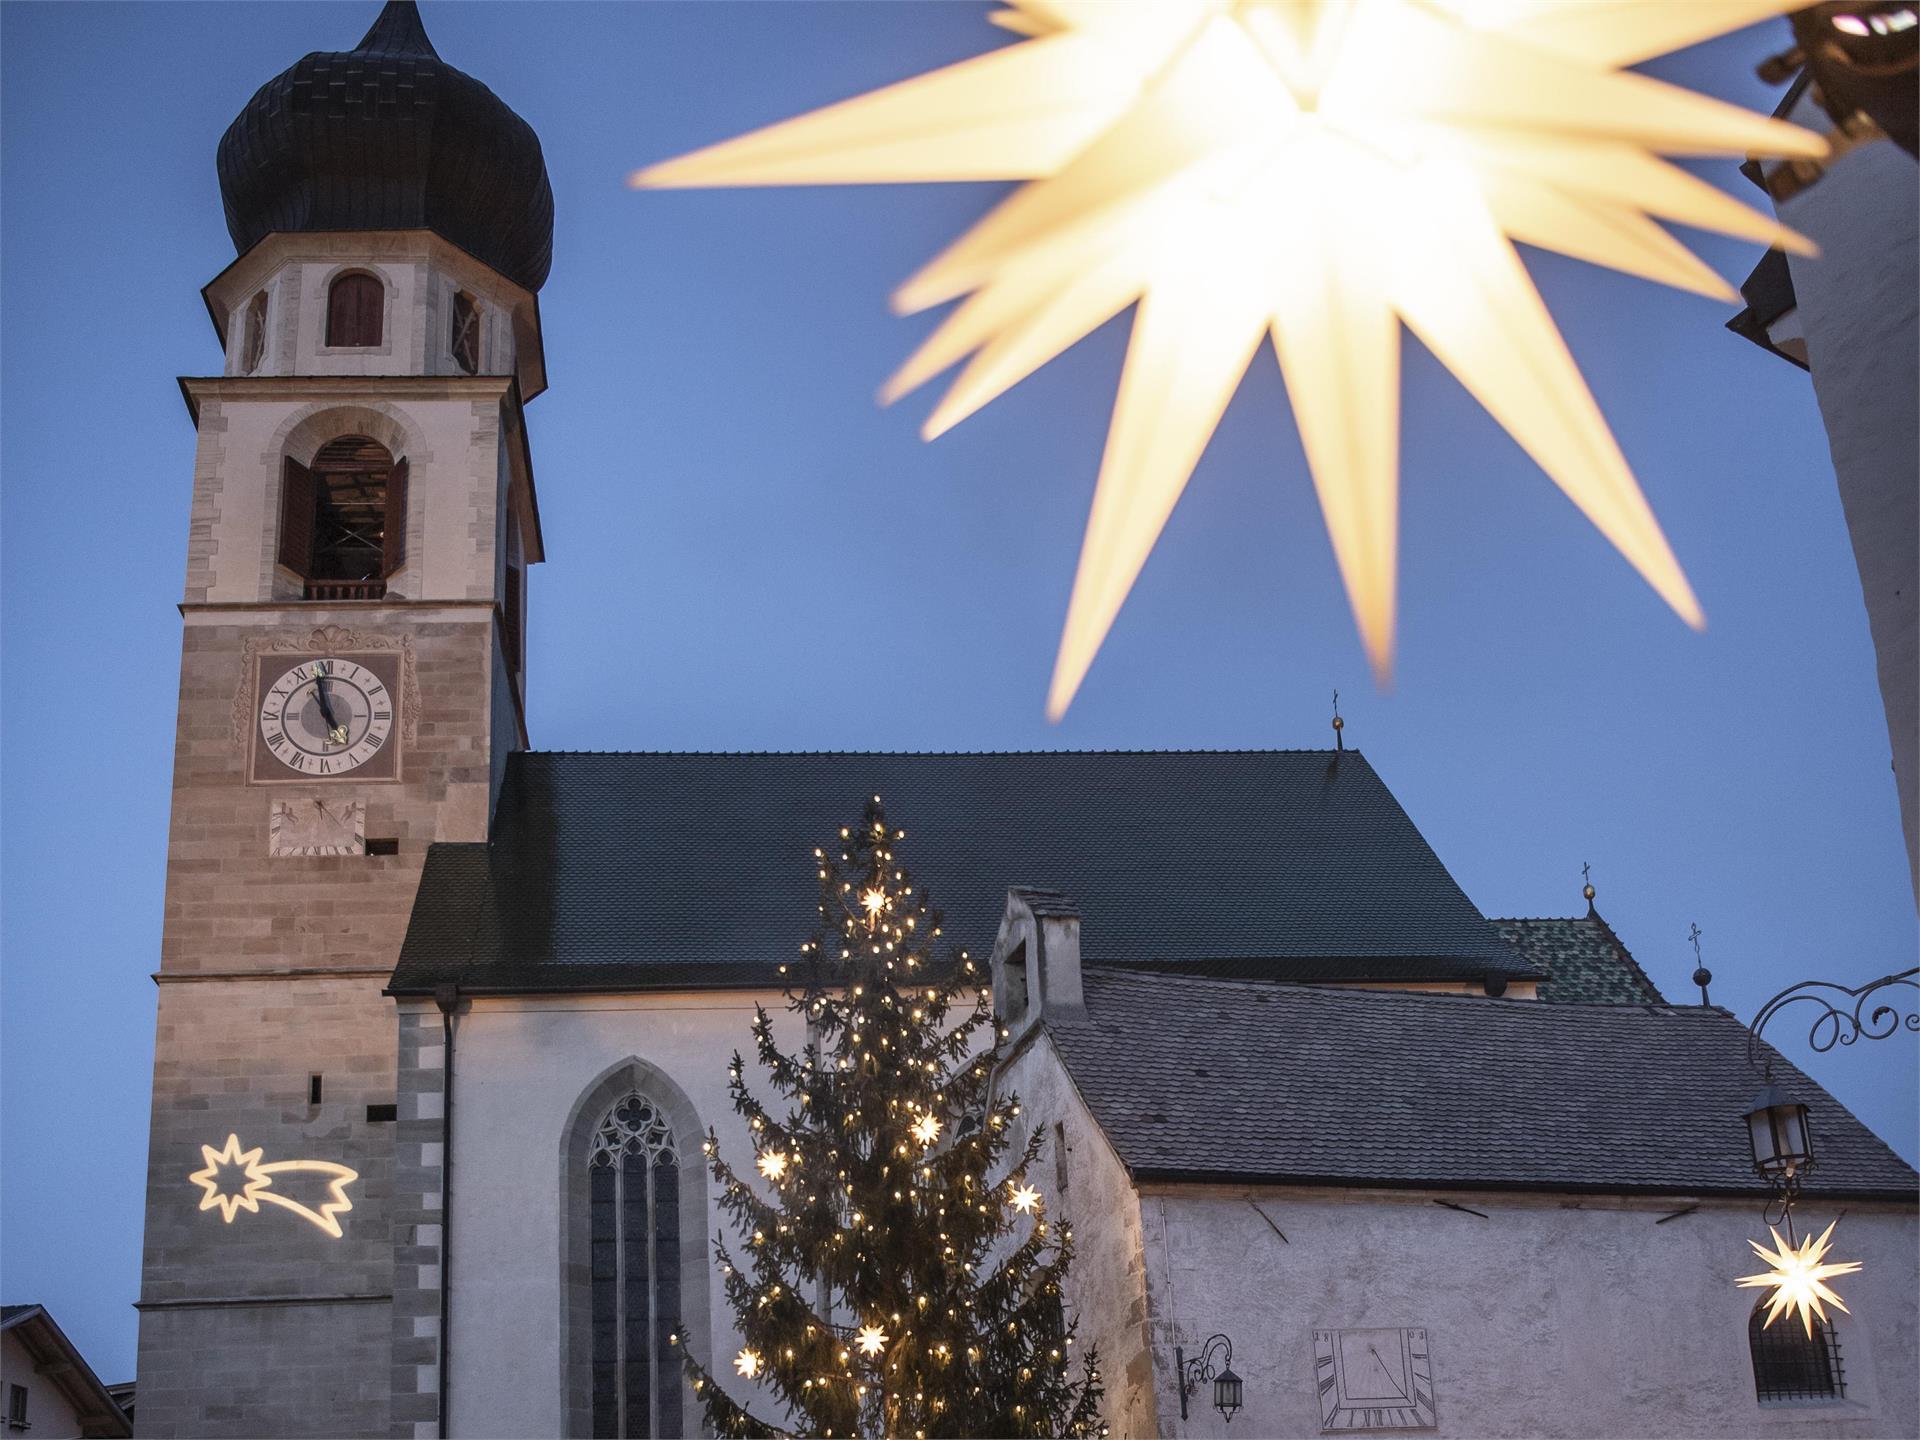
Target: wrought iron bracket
(1196, 1372)
(1839, 1023)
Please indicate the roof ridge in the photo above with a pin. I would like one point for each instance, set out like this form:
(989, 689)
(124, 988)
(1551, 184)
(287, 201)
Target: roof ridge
(913, 754)
(1663, 1008)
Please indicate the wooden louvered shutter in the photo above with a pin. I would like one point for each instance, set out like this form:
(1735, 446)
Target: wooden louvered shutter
(393, 530)
(354, 305)
(510, 618)
(297, 506)
(371, 299)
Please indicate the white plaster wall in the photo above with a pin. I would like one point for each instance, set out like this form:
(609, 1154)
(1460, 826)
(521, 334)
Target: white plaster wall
(1086, 1187)
(419, 272)
(1859, 302)
(48, 1412)
(521, 1066)
(1553, 1316)
(452, 444)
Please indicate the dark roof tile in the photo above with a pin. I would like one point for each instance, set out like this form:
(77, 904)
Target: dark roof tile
(1308, 1085)
(630, 862)
(1583, 960)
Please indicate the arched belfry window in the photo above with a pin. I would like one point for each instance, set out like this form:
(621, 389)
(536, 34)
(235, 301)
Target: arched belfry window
(633, 1182)
(356, 305)
(1790, 1364)
(343, 519)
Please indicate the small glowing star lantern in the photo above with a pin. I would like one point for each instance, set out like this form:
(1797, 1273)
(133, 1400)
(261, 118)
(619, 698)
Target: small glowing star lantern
(1026, 1199)
(1797, 1277)
(747, 1363)
(926, 1129)
(773, 1165)
(1316, 172)
(871, 1340)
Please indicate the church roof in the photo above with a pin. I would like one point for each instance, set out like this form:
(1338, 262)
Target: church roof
(1583, 959)
(388, 136)
(1213, 1080)
(631, 871)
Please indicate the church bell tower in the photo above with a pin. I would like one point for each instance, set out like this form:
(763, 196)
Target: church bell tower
(352, 681)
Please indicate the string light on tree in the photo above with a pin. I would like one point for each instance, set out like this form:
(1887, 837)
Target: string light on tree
(955, 1283)
(1316, 171)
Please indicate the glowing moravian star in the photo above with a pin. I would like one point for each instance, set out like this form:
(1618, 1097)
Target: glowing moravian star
(871, 1340)
(1797, 1277)
(1320, 171)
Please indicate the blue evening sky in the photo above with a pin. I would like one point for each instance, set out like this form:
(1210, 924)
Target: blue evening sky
(745, 553)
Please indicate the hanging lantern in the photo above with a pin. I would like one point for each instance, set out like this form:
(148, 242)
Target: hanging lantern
(1782, 1143)
(1226, 1393)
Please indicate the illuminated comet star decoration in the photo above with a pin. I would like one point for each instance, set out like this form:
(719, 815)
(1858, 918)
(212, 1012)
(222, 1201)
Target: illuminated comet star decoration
(256, 1181)
(1797, 1277)
(1315, 170)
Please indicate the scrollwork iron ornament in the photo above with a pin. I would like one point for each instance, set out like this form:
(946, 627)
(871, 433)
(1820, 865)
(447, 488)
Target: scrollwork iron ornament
(1201, 1368)
(1840, 1023)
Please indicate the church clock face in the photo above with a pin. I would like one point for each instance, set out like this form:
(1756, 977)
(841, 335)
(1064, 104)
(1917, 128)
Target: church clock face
(326, 716)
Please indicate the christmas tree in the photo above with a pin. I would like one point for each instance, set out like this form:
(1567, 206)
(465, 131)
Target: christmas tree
(896, 1274)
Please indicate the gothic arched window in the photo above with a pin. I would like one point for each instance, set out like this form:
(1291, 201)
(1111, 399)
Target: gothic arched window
(633, 1173)
(356, 303)
(1789, 1364)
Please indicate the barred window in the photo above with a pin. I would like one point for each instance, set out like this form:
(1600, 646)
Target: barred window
(634, 1196)
(1788, 1364)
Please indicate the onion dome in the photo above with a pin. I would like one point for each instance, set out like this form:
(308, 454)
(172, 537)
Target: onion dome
(388, 136)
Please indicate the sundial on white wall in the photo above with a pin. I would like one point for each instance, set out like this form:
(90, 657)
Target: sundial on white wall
(1373, 1379)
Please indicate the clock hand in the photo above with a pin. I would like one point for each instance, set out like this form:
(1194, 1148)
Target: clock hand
(336, 732)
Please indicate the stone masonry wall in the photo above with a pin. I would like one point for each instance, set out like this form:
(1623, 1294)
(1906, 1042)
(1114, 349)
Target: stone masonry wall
(271, 972)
